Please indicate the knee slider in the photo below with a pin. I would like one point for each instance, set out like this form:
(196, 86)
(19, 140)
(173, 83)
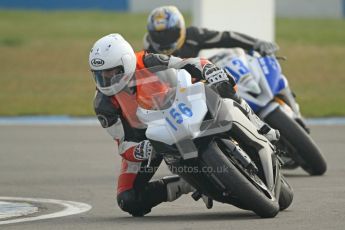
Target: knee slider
(127, 201)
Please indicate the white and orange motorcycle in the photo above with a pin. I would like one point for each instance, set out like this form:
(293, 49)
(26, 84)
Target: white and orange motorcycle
(210, 143)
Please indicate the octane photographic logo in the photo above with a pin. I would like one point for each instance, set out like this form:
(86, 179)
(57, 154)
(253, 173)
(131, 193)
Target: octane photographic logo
(97, 62)
(182, 169)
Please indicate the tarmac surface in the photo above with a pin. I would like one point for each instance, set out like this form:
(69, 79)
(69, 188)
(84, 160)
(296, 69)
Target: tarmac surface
(80, 164)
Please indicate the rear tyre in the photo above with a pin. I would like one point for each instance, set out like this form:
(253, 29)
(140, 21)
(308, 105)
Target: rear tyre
(250, 195)
(308, 154)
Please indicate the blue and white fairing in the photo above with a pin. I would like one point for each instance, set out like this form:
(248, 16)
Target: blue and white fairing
(272, 70)
(259, 78)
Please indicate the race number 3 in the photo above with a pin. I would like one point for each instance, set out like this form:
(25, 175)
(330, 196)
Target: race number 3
(237, 68)
(176, 115)
(240, 67)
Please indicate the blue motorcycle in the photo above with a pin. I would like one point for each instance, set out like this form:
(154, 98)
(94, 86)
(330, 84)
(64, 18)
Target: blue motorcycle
(262, 84)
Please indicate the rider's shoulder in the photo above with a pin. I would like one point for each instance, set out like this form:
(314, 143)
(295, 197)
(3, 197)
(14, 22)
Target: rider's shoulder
(106, 110)
(198, 35)
(153, 59)
(194, 31)
(103, 103)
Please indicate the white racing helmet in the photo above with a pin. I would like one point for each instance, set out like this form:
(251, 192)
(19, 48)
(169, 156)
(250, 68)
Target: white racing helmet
(112, 62)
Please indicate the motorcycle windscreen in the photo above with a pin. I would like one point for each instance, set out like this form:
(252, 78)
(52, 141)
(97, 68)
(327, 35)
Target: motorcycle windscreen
(272, 70)
(156, 88)
(150, 89)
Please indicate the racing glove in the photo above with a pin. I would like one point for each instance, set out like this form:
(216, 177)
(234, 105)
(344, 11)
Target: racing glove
(265, 48)
(221, 81)
(213, 74)
(143, 150)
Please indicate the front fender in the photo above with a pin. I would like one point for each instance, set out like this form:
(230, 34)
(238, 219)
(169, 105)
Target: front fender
(268, 109)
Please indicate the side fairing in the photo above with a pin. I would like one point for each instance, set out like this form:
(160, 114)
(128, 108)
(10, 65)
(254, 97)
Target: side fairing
(272, 71)
(259, 79)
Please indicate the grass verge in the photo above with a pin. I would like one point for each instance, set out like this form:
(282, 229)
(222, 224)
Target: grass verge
(44, 55)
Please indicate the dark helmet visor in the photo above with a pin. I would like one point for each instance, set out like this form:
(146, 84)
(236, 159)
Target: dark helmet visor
(165, 37)
(108, 77)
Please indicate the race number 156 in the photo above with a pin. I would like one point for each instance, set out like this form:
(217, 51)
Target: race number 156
(177, 115)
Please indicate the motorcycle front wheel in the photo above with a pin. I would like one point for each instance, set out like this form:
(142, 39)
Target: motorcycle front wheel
(250, 193)
(286, 194)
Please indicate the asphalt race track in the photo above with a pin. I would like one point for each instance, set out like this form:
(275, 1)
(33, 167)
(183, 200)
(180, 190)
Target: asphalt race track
(79, 163)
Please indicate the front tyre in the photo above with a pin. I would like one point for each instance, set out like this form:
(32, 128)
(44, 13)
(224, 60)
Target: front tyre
(311, 158)
(286, 194)
(250, 195)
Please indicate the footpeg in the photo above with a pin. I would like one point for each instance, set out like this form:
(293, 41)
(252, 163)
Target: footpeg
(208, 201)
(196, 195)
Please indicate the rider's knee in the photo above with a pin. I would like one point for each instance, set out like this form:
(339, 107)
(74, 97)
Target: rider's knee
(129, 202)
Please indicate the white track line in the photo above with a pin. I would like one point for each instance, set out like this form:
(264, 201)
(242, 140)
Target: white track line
(16, 209)
(71, 208)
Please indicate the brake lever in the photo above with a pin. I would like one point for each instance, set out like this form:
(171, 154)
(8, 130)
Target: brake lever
(149, 160)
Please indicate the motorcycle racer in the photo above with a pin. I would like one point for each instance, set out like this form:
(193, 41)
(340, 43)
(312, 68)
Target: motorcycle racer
(167, 34)
(113, 63)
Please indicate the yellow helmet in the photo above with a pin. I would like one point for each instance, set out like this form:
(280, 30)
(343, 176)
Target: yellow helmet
(166, 29)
